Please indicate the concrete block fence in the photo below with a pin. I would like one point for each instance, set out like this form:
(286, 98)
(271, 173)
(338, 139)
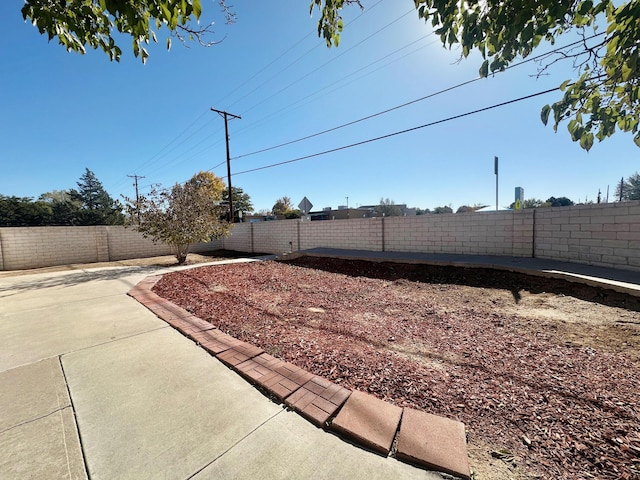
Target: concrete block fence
(604, 235)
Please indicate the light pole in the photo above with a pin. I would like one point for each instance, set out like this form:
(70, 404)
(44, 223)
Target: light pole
(495, 170)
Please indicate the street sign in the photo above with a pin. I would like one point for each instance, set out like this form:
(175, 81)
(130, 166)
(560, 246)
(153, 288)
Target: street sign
(305, 205)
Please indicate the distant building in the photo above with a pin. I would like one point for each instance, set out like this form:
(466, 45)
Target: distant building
(404, 210)
(363, 211)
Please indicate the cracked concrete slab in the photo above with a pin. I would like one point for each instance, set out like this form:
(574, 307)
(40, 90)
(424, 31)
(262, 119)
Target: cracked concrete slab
(38, 436)
(157, 406)
(31, 392)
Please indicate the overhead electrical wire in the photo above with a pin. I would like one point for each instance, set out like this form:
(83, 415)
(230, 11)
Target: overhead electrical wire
(182, 158)
(182, 132)
(327, 62)
(289, 65)
(340, 81)
(431, 95)
(400, 132)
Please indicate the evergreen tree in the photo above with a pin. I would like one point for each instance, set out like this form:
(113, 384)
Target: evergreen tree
(629, 188)
(97, 207)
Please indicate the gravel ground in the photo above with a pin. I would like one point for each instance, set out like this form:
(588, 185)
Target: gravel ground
(543, 372)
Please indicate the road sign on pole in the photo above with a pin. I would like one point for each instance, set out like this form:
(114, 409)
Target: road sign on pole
(305, 206)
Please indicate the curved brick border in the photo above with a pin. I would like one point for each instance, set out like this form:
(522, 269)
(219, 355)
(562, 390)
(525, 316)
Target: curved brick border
(426, 440)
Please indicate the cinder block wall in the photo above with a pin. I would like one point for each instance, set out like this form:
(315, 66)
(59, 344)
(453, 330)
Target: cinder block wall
(272, 237)
(126, 243)
(34, 247)
(603, 234)
(240, 240)
(359, 234)
(496, 233)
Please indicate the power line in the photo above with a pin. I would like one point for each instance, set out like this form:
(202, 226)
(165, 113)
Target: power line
(340, 81)
(431, 95)
(329, 61)
(430, 124)
(150, 160)
(191, 148)
(304, 55)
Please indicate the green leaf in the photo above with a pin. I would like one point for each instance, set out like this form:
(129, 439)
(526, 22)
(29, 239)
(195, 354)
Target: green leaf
(197, 8)
(636, 139)
(564, 84)
(166, 13)
(572, 126)
(544, 114)
(527, 33)
(484, 69)
(586, 141)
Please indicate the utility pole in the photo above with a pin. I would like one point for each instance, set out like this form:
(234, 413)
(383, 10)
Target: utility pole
(226, 116)
(135, 184)
(495, 170)
(621, 188)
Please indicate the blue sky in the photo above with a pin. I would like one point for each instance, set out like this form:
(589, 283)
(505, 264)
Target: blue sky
(61, 112)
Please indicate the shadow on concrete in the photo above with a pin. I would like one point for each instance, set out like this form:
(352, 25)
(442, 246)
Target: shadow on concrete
(70, 278)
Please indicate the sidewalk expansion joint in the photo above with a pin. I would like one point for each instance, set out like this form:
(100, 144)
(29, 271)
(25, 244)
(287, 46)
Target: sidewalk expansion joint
(107, 342)
(75, 422)
(239, 441)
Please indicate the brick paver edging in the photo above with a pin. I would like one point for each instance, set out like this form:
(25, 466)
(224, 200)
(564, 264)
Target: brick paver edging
(422, 439)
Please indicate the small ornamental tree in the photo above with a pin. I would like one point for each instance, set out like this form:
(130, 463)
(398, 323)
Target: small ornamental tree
(181, 216)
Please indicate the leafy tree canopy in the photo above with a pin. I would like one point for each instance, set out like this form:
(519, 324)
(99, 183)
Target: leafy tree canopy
(66, 210)
(79, 24)
(605, 94)
(530, 203)
(388, 208)
(550, 202)
(444, 209)
(23, 212)
(181, 216)
(559, 202)
(282, 206)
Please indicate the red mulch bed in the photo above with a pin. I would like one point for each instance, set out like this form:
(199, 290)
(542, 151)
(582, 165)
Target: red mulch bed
(420, 337)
